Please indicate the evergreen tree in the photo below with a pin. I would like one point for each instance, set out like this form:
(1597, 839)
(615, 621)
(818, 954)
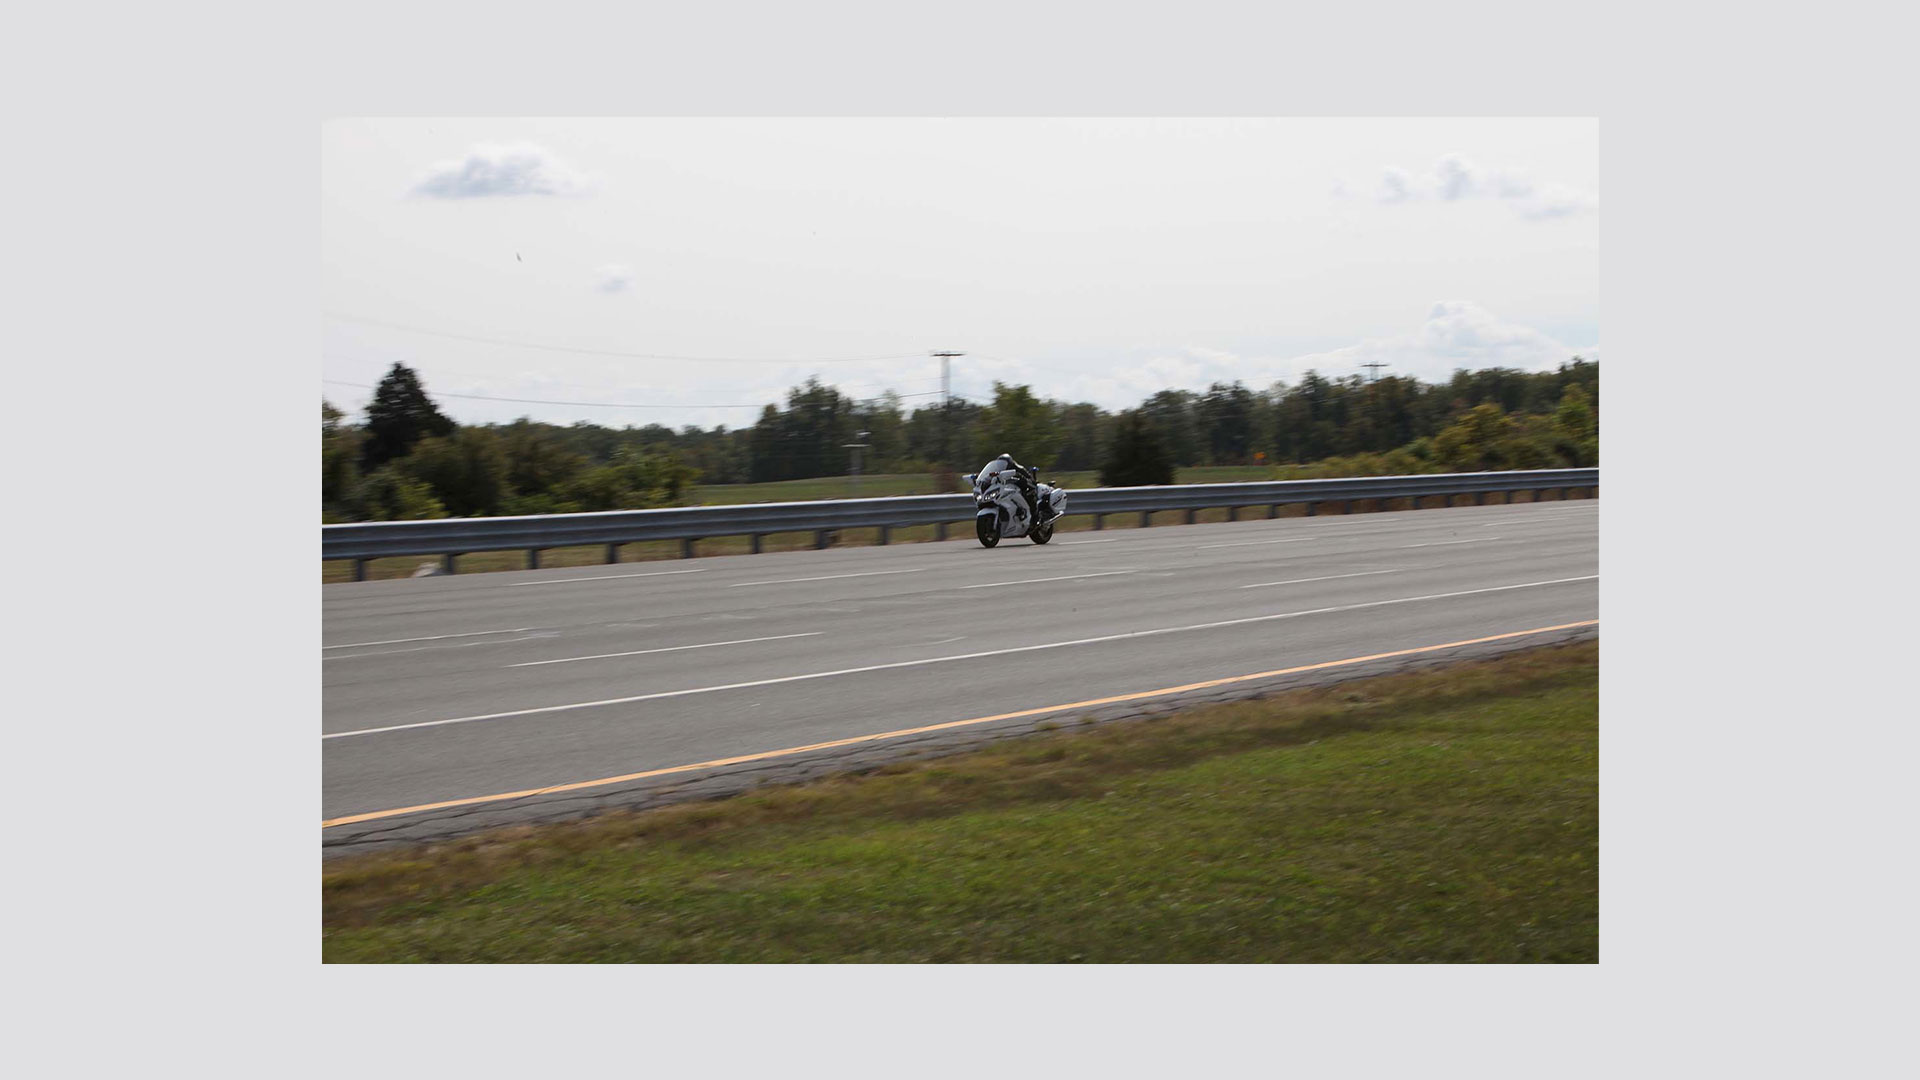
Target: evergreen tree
(1137, 457)
(1171, 416)
(400, 415)
(1226, 415)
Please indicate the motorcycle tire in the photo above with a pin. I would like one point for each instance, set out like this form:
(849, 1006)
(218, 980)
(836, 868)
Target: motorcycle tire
(1041, 533)
(987, 531)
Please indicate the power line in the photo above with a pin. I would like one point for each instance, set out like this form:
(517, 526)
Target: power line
(439, 371)
(538, 401)
(1036, 367)
(616, 353)
(589, 404)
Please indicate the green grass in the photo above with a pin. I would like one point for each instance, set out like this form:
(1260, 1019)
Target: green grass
(1449, 815)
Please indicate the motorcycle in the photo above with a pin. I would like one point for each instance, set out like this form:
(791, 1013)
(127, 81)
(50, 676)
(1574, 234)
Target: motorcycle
(1003, 509)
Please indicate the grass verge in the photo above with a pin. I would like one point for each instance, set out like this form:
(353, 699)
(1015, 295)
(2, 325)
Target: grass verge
(1446, 815)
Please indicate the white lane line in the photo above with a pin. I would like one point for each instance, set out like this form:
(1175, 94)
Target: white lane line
(607, 577)
(1329, 577)
(425, 648)
(437, 637)
(1109, 540)
(671, 648)
(1255, 543)
(1037, 580)
(828, 577)
(1444, 543)
(949, 659)
(1517, 521)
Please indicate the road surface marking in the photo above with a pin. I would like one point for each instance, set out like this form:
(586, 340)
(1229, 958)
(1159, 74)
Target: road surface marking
(1329, 577)
(438, 637)
(1255, 543)
(884, 735)
(1037, 580)
(1109, 540)
(674, 648)
(1444, 543)
(429, 648)
(607, 577)
(942, 659)
(1517, 521)
(828, 577)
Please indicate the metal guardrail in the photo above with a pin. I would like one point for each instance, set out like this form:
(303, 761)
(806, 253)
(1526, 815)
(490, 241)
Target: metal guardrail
(451, 537)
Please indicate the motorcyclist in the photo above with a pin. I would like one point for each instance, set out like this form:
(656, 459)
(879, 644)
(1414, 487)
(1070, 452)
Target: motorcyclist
(1025, 480)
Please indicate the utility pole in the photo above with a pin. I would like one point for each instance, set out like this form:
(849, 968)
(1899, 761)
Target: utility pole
(853, 470)
(945, 472)
(1375, 367)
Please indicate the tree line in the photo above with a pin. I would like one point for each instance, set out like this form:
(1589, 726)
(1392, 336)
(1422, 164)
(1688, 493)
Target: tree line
(407, 460)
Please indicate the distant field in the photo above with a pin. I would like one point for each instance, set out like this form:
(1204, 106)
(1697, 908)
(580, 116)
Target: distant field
(873, 487)
(1448, 816)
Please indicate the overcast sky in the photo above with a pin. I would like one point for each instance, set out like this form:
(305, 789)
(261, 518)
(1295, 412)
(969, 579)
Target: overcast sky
(1096, 260)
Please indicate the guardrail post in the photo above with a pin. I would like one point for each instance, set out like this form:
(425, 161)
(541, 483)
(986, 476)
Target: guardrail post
(1099, 522)
(1146, 518)
(1346, 506)
(940, 530)
(1233, 513)
(821, 538)
(1479, 498)
(613, 553)
(1416, 502)
(446, 561)
(1273, 510)
(359, 569)
(1190, 514)
(1313, 509)
(533, 558)
(884, 531)
(755, 538)
(686, 548)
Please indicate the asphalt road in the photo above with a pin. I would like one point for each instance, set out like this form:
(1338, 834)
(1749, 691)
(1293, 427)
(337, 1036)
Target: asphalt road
(452, 690)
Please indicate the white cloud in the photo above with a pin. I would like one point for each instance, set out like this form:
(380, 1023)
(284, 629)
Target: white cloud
(502, 169)
(614, 278)
(1453, 179)
(1456, 334)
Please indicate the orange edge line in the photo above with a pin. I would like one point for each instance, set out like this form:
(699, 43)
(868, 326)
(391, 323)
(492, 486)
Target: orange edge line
(717, 762)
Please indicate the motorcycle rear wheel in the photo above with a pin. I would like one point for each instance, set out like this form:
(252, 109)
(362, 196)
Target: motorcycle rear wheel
(987, 531)
(1041, 533)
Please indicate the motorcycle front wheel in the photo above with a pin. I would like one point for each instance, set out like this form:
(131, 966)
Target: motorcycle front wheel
(987, 531)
